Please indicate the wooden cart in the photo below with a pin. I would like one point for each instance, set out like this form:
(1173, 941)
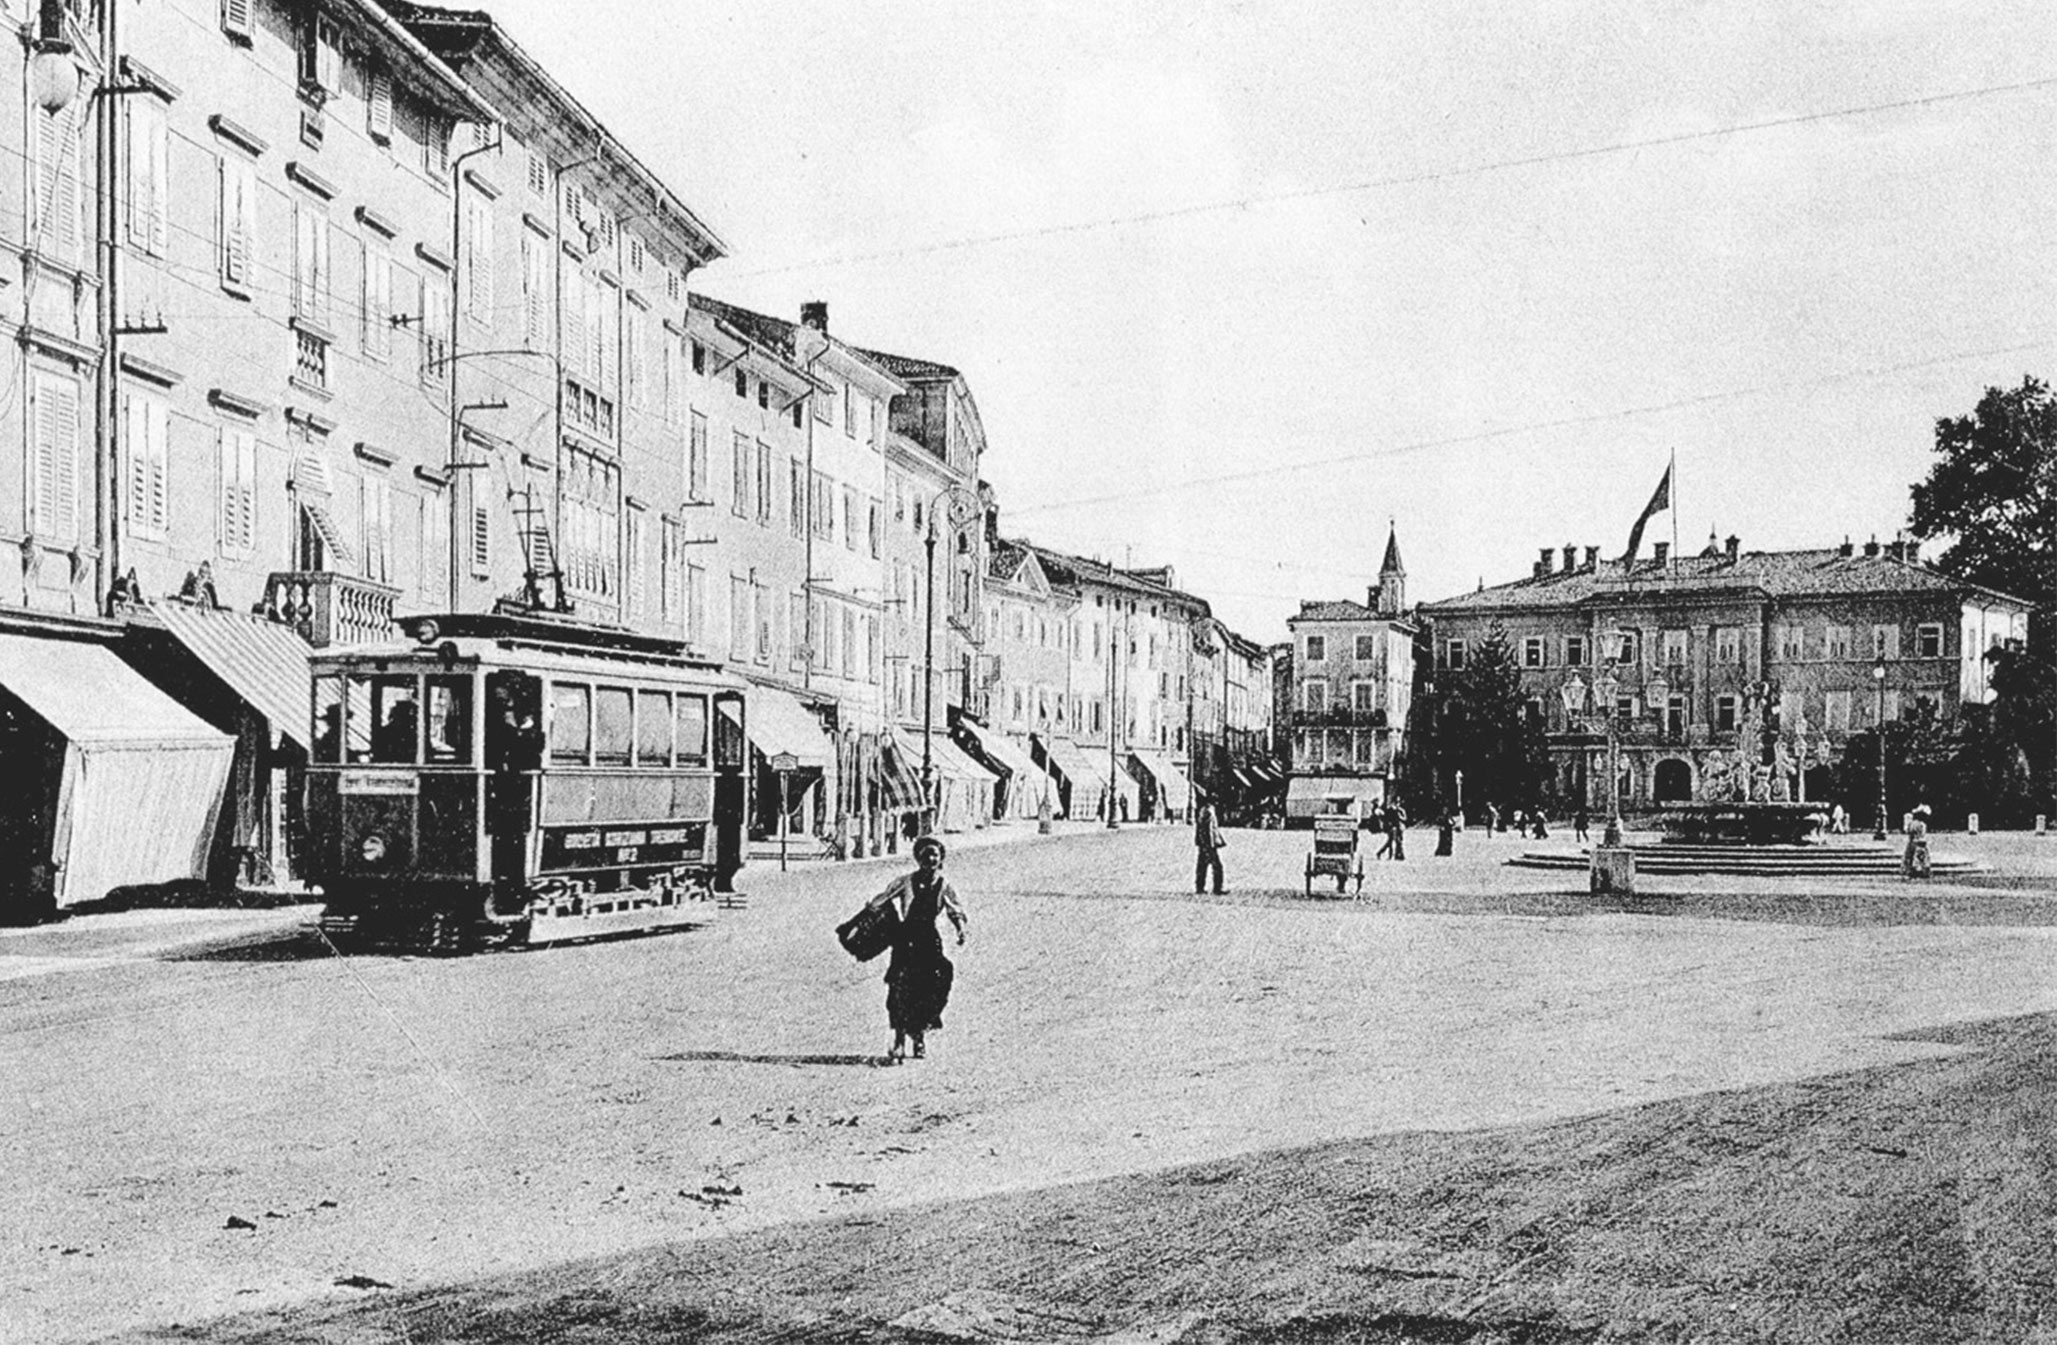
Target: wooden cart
(1335, 853)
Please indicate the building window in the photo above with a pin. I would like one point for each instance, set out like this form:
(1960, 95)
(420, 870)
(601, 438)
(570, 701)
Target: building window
(635, 377)
(1317, 648)
(821, 506)
(238, 492)
(310, 360)
(637, 579)
(1453, 654)
(478, 260)
(435, 330)
(1928, 641)
(696, 605)
(1675, 647)
(592, 513)
(377, 290)
(146, 450)
(1314, 695)
(235, 19)
(796, 499)
(699, 359)
(149, 175)
(1367, 648)
(311, 270)
(481, 548)
(1675, 716)
(671, 548)
(237, 217)
(1532, 651)
(1838, 642)
(1892, 705)
(1575, 651)
(1364, 695)
(1835, 711)
(849, 518)
(874, 526)
(766, 497)
(740, 623)
(1725, 713)
(586, 408)
(1885, 642)
(1792, 643)
(739, 477)
(696, 460)
(742, 384)
(375, 527)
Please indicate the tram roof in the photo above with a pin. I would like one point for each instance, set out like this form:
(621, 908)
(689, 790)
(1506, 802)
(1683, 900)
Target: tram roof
(537, 642)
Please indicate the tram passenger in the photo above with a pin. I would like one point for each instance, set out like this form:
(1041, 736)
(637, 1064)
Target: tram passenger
(919, 978)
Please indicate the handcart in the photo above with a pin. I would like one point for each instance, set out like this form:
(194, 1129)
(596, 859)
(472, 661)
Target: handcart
(1335, 853)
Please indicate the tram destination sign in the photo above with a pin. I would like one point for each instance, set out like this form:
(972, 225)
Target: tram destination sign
(600, 847)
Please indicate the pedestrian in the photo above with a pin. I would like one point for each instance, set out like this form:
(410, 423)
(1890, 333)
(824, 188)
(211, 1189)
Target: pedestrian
(1542, 832)
(1579, 821)
(1915, 864)
(1396, 831)
(1207, 844)
(919, 978)
(1838, 820)
(1521, 822)
(1446, 830)
(1381, 821)
(1492, 819)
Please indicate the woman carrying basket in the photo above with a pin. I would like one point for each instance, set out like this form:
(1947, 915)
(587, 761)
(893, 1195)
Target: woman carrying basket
(919, 977)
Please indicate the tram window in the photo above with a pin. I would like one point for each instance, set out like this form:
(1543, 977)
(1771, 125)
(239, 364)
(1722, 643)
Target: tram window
(328, 719)
(395, 721)
(692, 721)
(728, 731)
(613, 727)
(653, 728)
(571, 724)
(357, 720)
(449, 722)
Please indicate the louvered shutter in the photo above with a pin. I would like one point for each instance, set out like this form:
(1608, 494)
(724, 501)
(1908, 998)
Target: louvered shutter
(160, 180)
(379, 107)
(481, 539)
(238, 231)
(235, 18)
(135, 459)
(479, 293)
(57, 179)
(535, 257)
(157, 438)
(136, 199)
(324, 273)
(56, 415)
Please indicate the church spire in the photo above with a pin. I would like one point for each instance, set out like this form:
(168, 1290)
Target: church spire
(1392, 577)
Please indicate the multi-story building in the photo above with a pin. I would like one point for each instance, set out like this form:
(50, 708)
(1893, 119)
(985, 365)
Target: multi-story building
(1231, 719)
(1130, 688)
(1352, 691)
(934, 554)
(1813, 644)
(1029, 623)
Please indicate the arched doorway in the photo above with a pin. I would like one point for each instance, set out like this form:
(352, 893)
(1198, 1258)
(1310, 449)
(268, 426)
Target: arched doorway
(1674, 781)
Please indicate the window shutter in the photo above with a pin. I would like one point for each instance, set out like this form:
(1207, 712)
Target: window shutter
(57, 179)
(238, 491)
(135, 458)
(379, 107)
(136, 199)
(160, 183)
(479, 294)
(157, 417)
(481, 539)
(535, 273)
(235, 18)
(56, 415)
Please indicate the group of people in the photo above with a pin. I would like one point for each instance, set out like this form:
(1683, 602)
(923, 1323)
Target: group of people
(1532, 822)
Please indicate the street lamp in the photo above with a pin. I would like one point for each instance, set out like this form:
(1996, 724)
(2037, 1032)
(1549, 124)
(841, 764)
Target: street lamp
(956, 494)
(1878, 676)
(1605, 685)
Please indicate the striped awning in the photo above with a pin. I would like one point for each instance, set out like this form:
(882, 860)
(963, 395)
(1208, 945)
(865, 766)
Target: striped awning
(898, 783)
(264, 662)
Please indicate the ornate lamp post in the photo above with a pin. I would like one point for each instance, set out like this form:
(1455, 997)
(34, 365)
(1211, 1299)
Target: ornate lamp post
(1573, 694)
(1605, 685)
(1878, 677)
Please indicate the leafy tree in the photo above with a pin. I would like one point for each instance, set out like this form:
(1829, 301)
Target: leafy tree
(1485, 728)
(1993, 493)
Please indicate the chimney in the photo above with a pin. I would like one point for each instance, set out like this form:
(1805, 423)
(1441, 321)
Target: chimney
(815, 313)
(1910, 551)
(1846, 550)
(1734, 543)
(1570, 558)
(1663, 554)
(1871, 549)
(1592, 558)
(1547, 563)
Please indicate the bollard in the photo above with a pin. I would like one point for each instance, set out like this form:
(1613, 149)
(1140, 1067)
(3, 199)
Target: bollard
(1613, 871)
(1971, 824)
(2042, 824)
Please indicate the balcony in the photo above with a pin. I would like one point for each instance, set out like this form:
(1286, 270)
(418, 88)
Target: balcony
(329, 608)
(1340, 717)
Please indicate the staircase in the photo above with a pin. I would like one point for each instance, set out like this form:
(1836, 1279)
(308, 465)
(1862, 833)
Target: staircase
(1757, 861)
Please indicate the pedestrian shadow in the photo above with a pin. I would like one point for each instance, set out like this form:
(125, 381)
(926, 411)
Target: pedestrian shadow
(749, 1058)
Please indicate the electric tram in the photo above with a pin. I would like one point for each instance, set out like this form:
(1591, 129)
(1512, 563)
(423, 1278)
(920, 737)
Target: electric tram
(503, 779)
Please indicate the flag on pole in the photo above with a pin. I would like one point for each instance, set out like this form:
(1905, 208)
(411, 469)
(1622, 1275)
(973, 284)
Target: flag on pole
(1660, 500)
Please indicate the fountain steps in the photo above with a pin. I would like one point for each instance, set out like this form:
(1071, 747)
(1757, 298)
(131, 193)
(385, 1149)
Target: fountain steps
(1755, 861)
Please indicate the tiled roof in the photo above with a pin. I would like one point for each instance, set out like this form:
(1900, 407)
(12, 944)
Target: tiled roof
(1073, 570)
(1778, 574)
(771, 333)
(1004, 558)
(906, 366)
(1343, 610)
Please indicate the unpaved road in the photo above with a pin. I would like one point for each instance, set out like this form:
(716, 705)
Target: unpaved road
(1471, 1106)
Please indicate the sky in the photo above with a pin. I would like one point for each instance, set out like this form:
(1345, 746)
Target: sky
(1236, 285)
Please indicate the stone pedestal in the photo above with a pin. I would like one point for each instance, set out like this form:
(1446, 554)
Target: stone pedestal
(1614, 871)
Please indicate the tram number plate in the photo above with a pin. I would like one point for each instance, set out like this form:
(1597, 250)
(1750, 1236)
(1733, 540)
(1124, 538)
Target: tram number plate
(601, 847)
(377, 782)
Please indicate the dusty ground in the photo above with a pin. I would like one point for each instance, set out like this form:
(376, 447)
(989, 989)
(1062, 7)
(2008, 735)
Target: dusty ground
(1472, 1108)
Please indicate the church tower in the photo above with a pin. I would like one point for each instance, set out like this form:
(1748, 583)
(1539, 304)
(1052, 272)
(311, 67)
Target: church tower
(1392, 578)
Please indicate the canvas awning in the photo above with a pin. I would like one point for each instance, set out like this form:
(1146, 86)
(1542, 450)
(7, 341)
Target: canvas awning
(1307, 795)
(949, 759)
(143, 778)
(777, 722)
(1172, 785)
(1086, 770)
(899, 785)
(262, 661)
(1004, 750)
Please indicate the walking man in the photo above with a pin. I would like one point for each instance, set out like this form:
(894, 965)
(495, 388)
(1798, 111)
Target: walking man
(1396, 831)
(1207, 844)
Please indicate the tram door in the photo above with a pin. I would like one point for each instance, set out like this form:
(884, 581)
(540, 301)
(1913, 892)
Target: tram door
(731, 789)
(514, 753)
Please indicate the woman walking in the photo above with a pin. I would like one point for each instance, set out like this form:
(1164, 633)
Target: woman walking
(919, 978)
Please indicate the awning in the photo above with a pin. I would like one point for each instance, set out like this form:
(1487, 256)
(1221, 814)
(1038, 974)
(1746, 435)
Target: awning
(899, 785)
(262, 661)
(1004, 750)
(143, 778)
(1086, 770)
(1307, 795)
(949, 759)
(777, 722)
(1172, 786)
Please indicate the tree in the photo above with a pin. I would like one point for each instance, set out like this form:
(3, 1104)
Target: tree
(1485, 727)
(1994, 494)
